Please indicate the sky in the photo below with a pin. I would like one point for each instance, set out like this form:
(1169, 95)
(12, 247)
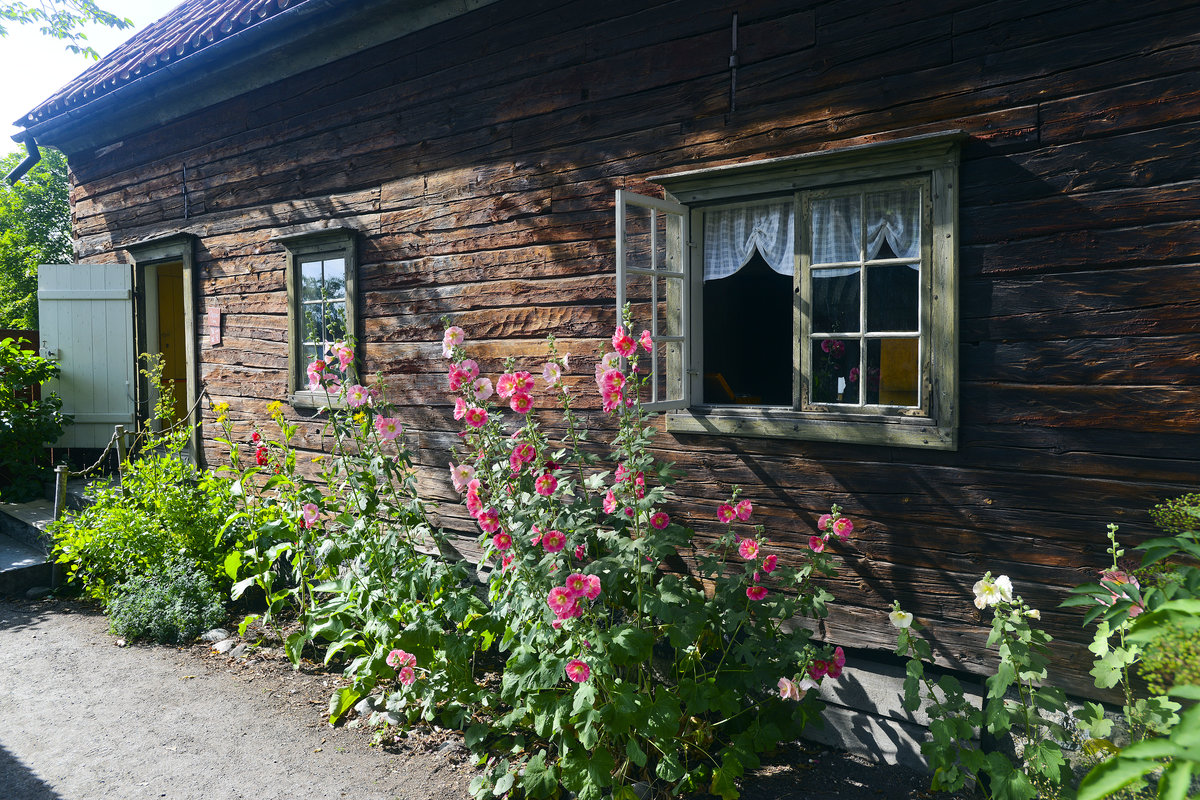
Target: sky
(35, 66)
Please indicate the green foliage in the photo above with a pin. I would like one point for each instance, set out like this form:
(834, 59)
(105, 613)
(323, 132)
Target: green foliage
(35, 229)
(163, 510)
(62, 19)
(173, 607)
(25, 425)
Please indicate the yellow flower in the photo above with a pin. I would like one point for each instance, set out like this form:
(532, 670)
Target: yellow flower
(359, 417)
(275, 408)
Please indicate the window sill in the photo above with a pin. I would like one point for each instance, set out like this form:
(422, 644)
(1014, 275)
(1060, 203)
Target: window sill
(310, 399)
(787, 424)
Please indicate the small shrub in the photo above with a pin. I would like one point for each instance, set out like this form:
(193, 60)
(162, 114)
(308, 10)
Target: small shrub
(171, 608)
(25, 425)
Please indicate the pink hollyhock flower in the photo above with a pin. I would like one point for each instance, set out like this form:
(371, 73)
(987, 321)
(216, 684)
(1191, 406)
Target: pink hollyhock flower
(725, 513)
(623, 343)
(612, 382)
(471, 368)
(553, 541)
(311, 512)
(551, 373)
(748, 549)
(520, 402)
(843, 527)
(839, 657)
(256, 437)
(769, 563)
(315, 370)
(853, 375)
(344, 354)
(524, 452)
(260, 456)
(578, 671)
(505, 385)
(506, 562)
(398, 658)
(460, 408)
(523, 382)
(817, 670)
(474, 504)
(454, 336)
(456, 377)
(610, 502)
(756, 592)
(659, 520)
(1120, 577)
(621, 473)
(545, 485)
(577, 584)
(593, 587)
(406, 676)
(489, 521)
(743, 510)
(502, 541)
(580, 550)
(646, 341)
(788, 690)
(629, 511)
(476, 417)
(639, 484)
(461, 475)
(561, 601)
(482, 388)
(388, 428)
(816, 544)
(823, 522)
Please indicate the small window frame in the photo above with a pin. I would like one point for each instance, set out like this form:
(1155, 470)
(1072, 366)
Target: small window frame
(302, 247)
(931, 160)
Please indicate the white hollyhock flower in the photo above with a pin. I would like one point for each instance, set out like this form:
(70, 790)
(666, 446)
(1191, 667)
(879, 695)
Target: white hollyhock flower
(900, 619)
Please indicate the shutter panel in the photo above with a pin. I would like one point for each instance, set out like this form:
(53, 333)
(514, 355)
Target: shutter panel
(652, 237)
(86, 323)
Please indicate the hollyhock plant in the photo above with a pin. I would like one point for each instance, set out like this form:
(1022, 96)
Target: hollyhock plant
(520, 402)
(726, 513)
(388, 428)
(551, 373)
(578, 670)
(545, 484)
(756, 592)
(659, 520)
(788, 690)
(743, 510)
(843, 527)
(748, 549)
(553, 541)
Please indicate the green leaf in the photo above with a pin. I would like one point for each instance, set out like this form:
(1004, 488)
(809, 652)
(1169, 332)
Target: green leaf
(601, 766)
(669, 768)
(1176, 781)
(634, 752)
(630, 645)
(539, 780)
(294, 646)
(475, 735)
(1108, 777)
(504, 783)
(342, 701)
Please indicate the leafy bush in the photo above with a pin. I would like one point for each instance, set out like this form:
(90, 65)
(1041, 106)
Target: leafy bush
(174, 607)
(25, 425)
(165, 509)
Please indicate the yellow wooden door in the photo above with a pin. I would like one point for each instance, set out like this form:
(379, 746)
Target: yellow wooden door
(171, 336)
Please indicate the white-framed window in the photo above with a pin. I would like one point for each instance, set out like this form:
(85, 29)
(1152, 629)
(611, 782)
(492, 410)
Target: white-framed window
(812, 297)
(322, 292)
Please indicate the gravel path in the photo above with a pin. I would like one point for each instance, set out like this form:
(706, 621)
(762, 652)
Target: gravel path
(84, 719)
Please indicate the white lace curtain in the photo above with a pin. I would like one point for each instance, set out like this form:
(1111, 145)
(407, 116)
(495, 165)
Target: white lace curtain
(893, 217)
(733, 235)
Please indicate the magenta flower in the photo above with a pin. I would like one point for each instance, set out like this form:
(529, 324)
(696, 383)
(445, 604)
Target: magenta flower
(610, 502)
(816, 544)
(593, 587)
(476, 417)
(524, 452)
(344, 354)
(853, 375)
(823, 522)
(748, 549)
(502, 541)
(623, 343)
(561, 601)
(388, 428)
(471, 368)
(756, 592)
(646, 341)
(817, 670)
(843, 527)
(545, 484)
(769, 563)
(520, 402)
(523, 382)
(659, 520)
(489, 521)
(577, 585)
(725, 513)
(553, 541)
(578, 671)
(456, 377)
(580, 550)
(505, 385)
(743, 510)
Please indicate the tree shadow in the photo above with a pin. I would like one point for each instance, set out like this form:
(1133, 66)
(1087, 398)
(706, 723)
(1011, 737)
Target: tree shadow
(20, 781)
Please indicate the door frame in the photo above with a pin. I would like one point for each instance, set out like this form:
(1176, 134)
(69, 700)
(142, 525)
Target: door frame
(175, 248)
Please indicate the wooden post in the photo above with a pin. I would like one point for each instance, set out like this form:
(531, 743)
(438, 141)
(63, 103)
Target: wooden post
(60, 490)
(120, 437)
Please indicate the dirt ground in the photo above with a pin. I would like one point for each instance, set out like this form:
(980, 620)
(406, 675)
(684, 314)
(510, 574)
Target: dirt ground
(82, 718)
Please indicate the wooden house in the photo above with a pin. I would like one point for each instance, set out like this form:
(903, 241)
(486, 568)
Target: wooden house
(933, 261)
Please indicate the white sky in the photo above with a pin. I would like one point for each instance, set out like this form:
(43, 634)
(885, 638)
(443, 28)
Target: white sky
(36, 66)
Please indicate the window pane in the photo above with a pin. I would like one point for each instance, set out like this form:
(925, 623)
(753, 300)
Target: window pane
(748, 337)
(893, 372)
(836, 229)
(335, 279)
(335, 322)
(892, 293)
(835, 376)
(310, 281)
(313, 323)
(835, 295)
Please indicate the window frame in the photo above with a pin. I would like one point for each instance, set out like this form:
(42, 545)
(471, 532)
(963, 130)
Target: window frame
(301, 247)
(933, 158)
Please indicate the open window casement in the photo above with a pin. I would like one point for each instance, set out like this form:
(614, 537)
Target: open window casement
(652, 237)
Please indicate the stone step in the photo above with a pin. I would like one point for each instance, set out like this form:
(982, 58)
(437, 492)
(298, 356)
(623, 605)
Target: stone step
(26, 523)
(25, 546)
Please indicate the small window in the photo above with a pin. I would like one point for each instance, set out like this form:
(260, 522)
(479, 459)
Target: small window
(321, 284)
(818, 295)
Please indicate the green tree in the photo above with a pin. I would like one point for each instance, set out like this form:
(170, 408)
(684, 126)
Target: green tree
(35, 228)
(61, 19)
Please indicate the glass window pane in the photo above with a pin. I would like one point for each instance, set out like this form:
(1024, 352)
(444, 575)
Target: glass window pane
(835, 297)
(335, 279)
(893, 372)
(892, 297)
(311, 279)
(835, 377)
(836, 229)
(335, 322)
(312, 322)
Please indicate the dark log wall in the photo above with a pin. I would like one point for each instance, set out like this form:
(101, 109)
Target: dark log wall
(479, 158)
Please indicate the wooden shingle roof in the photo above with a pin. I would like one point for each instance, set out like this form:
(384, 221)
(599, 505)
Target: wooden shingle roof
(189, 28)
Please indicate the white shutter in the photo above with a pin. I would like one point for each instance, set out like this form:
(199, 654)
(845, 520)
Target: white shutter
(86, 325)
(652, 237)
